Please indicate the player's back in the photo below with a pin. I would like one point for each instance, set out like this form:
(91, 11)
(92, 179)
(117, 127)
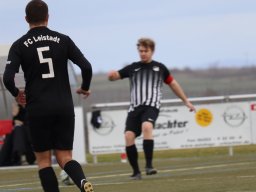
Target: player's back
(44, 56)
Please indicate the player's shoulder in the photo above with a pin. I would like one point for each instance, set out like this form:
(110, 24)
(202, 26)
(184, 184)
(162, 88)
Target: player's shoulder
(135, 64)
(17, 44)
(160, 65)
(20, 40)
(132, 65)
(157, 63)
(59, 34)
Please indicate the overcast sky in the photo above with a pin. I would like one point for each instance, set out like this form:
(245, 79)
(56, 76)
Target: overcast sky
(188, 33)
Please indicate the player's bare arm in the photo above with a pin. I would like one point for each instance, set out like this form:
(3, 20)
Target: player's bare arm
(113, 76)
(176, 88)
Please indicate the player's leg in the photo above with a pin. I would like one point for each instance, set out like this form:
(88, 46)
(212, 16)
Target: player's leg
(131, 132)
(148, 146)
(64, 135)
(47, 175)
(63, 156)
(40, 130)
(149, 117)
(73, 169)
(132, 154)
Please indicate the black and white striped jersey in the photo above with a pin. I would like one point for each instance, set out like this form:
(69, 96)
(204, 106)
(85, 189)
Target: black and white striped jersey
(146, 81)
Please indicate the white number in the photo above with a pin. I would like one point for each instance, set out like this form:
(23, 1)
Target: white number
(46, 60)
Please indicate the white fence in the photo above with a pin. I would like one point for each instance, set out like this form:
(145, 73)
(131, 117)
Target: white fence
(79, 137)
(219, 121)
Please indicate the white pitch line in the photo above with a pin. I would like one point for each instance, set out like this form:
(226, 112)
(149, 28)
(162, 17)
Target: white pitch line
(177, 170)
(107, 176)
(23, 167)
(117, 183)
(246, 176)
(19, 184)
(243, 191)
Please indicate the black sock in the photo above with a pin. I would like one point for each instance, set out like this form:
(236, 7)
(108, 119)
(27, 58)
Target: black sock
(75, 171)
(132, 155)
(148, 146)
(48, 179)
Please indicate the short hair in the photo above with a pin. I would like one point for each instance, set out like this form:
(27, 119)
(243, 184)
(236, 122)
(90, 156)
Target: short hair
(146, 42)
(36, 11)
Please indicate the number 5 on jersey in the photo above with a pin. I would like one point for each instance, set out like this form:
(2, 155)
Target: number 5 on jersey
(40, 51)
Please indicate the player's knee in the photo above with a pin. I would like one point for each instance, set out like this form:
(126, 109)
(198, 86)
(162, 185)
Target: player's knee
(62, 161)
(147, 127)
(129, 138)
(43, 164)
(63, 157)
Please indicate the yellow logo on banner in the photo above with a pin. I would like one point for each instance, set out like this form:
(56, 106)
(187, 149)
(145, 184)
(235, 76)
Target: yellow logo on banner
(204, 117)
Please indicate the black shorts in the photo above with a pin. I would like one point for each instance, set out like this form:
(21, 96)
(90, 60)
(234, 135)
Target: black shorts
(138, 116)
(52, 132)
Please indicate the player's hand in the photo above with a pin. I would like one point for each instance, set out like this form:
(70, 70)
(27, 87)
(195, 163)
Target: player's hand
(190, 106)
(113, 75)
(21, 98)
(83, 92)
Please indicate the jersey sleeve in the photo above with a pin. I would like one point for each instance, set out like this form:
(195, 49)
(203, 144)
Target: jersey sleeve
(77, 57)
(125, 72)
(167, 77)
(11, 68)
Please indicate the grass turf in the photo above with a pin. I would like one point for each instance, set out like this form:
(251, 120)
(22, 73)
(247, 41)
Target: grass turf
(191, 170)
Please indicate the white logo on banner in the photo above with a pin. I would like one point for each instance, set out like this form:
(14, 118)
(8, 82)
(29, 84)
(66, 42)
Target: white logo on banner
(106, 127)
(234, 116)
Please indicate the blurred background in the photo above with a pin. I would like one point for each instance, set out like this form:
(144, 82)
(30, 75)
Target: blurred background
(208, 45)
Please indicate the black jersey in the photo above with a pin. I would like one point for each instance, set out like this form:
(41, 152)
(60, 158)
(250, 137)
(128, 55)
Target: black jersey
(146, 81)
(43, 55)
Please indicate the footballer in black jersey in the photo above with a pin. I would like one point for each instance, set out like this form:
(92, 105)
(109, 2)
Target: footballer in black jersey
(146, 79)
(43, 56)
